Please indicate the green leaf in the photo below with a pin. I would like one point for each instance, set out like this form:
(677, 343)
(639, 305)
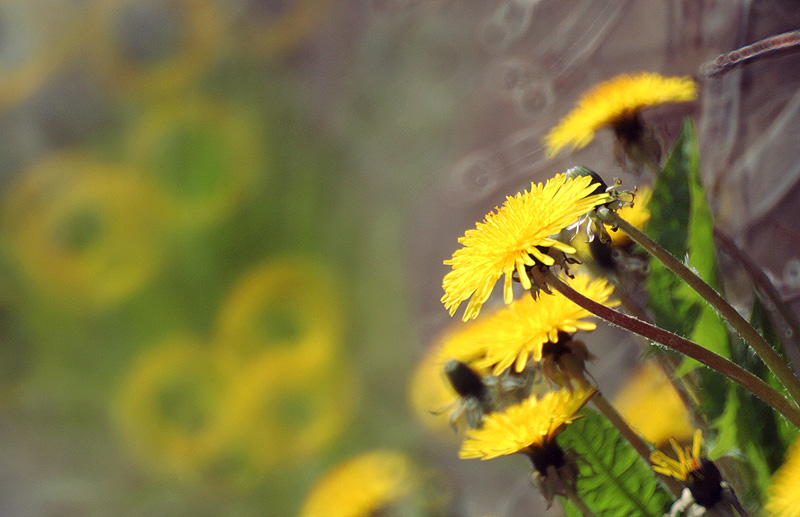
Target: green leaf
(613, 479)
(748, 425)
(681, 221)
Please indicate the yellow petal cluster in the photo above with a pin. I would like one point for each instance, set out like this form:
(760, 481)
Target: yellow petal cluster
(613, 101)
(688, 460)
(361, 486)
(783, 493)
(511, 335)
(509, 240)
(535, 422)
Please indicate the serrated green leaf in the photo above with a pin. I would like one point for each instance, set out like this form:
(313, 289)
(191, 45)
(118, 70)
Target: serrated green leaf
(748, 425)
(681, 221)
(613, 479)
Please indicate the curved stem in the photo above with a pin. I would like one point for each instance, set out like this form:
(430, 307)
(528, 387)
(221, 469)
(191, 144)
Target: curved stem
(636, 441)
(575, 499)
(715, 361)
(767, 354)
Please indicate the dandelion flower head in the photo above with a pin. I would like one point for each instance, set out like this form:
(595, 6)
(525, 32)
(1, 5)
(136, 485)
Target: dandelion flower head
(361, 486)
(614, 103)
(783, 493)
(517, 332)
(532, 424)
(514, 237)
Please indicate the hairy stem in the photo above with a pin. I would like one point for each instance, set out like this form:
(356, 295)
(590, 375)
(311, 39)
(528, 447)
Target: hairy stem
(751, 336)
(636, 441)
(682, 345)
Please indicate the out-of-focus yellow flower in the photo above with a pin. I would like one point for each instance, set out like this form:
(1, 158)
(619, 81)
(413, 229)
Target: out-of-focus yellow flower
(204, 157)
(169, 404)
(288, 302)
(151, 47)
(283, 411)
(533, 424)
(688, 461)
(783, 493)
(89, 231)
(517, 332)
(516, 236)
(616, 103)
(430, 393)
(638, 215)
(648, 388)
(361, 486)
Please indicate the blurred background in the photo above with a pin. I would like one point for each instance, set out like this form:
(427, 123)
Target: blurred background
(222, 225)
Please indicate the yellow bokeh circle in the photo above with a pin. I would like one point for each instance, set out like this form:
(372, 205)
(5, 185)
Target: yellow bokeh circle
(85, 230)
(155, 47)
(203, 155)
(284, 413)
(292, 302)
(168, 407)
(272, 29)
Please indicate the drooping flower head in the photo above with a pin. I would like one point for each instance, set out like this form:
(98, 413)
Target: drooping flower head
(700, 475)
(617, 103)
(783, 493)
(529, 427)
(361, 486)
(518, 235)
(518, 332)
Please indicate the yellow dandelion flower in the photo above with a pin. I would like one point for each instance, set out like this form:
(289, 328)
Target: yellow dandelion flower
(361, 486)
(638, 215)
(688, 461)
(783, 493)
(649, 387)
(429, 394)
(514, 237)
(616, 103)
(532, 424)
(513, 334)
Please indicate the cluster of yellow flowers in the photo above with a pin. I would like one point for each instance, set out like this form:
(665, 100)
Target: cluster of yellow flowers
(486, 361)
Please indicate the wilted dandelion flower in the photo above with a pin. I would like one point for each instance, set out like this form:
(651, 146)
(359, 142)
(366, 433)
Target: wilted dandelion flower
(637, 214)
(783, 493)
(529, 427)
(617, 103)
(518, 235)
(362, 486)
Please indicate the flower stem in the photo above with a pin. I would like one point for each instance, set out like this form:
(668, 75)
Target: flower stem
(636, 441)
(575, 499)
(767, 354)
(682, 345)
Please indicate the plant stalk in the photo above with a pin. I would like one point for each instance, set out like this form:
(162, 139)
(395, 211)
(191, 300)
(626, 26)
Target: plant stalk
(751, 336)
(636, 441)
(682, 345)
